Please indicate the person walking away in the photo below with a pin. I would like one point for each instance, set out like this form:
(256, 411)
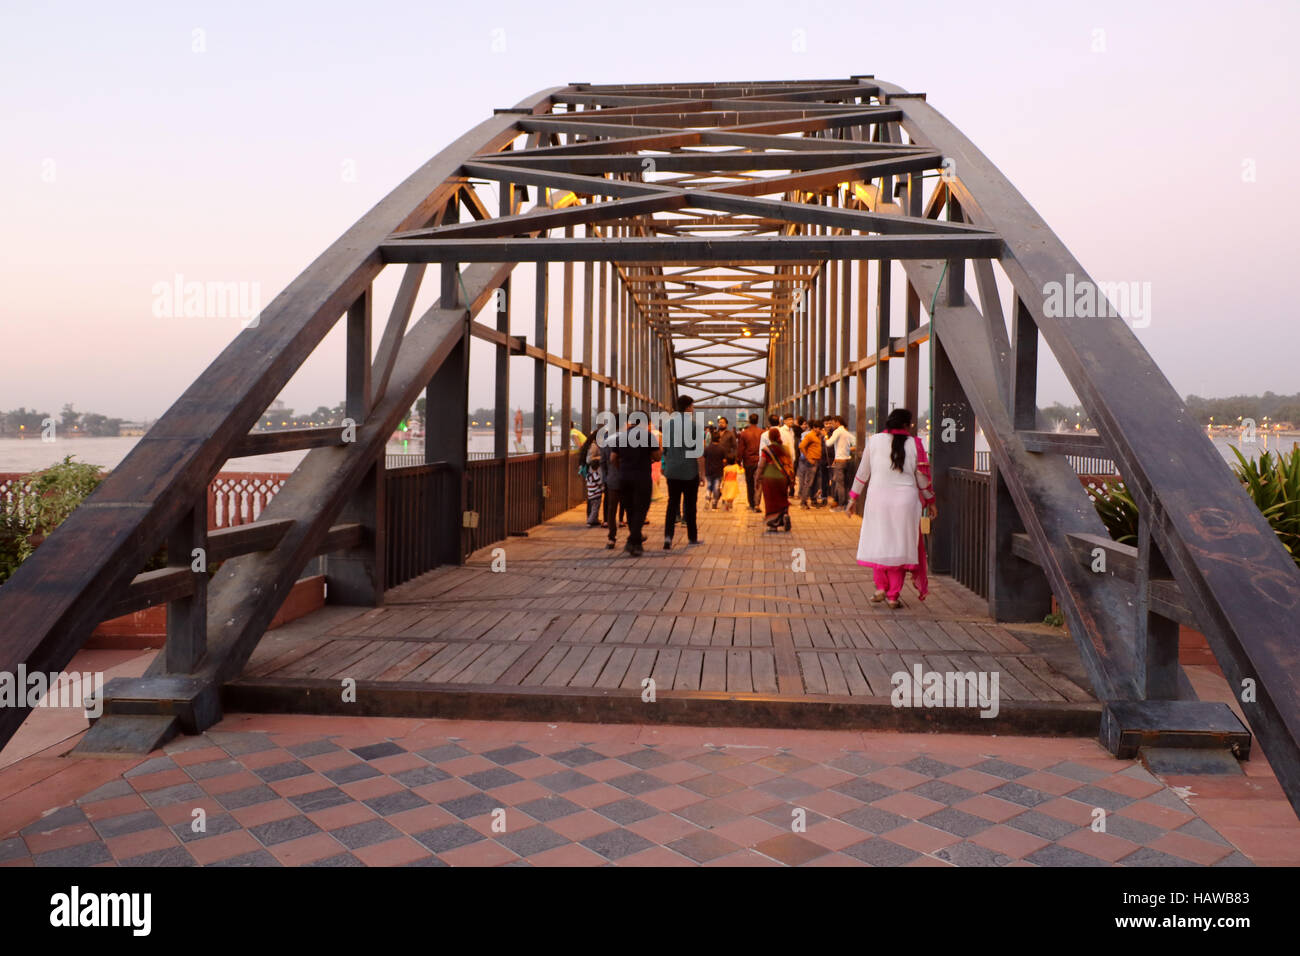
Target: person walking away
(895, 476)
(747, 449)
(732, 476)
(595, 485)
(714, 463)
(840, 450)
(810, 447)
(681, 467)
(634, 451)
(613, 486)
(776, 471)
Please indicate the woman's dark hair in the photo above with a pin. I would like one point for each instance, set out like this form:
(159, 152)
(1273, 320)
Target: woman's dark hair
(898, 418)
(775, 447)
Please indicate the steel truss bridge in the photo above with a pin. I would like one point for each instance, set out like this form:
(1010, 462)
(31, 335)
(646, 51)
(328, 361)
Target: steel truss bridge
(737, 242)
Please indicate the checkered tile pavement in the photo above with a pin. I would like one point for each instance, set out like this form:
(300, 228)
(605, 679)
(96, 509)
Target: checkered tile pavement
(577, 798)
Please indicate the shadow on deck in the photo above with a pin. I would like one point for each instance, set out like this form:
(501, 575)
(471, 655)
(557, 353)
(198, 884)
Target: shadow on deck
(730, 633)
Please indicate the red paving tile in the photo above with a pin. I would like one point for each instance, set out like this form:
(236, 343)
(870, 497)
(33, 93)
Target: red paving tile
(750, 801)
(1190, 848)
(308, 849)
(599, 794)
(897, 777)
(1222, 812)
(343, 815)
(990, 808)
(744, 858)
(909, 805)
(1276, 845)
(663, 829)
(579, 826)
(445, 790)
(1104, 846)
(835, 859)
(1071, 811)
(116, 807)
(834, 834)
(922, 838)
(266, 812)
(424, 818)
(1048, 783)
(571, 855)
(748, 831)
(396, 852)
(230, 782)
(973, 780)
(293, 786)
(62, 837)
(828, 803)
(156, 781)
(264, 758)
(185, 758)
(145, 841)
(655, 856)
(1008, 841)
(184, 812)
(223, 846)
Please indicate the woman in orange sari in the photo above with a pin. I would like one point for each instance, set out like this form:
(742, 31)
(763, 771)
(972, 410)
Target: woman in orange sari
(776, 471)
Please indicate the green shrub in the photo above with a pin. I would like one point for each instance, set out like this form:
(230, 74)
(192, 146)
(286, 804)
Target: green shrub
(41, 500)
(1118, 510)
(1273, 483)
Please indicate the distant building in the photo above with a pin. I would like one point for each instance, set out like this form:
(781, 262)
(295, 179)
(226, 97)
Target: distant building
(131, 429)
(278, 415)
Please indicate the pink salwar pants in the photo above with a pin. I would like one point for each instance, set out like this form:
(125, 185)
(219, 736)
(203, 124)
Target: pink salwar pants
(889, 580)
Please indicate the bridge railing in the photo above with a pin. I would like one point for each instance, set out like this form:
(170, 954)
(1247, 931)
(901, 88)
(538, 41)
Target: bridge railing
(505, 496)
(1082, 464)
(968, 496)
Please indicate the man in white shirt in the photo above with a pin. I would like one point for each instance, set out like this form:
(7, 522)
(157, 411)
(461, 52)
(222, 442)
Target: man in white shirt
(839, 448)
(787, 435)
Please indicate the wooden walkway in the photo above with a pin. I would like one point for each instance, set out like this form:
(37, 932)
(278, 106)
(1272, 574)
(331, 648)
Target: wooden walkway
(747, 628)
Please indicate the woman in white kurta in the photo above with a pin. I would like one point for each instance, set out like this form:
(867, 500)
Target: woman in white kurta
(895, 475)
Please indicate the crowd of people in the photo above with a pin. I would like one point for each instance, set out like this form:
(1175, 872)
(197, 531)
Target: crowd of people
(790, 458)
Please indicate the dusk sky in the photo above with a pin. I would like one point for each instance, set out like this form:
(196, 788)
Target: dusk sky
(1156, 139)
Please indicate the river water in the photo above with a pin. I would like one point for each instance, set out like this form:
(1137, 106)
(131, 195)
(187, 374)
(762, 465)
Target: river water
(18, 455)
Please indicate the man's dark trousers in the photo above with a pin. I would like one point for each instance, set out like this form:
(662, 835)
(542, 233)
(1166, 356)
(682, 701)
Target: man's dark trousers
(636, 498)
(751, 471)
(683, 493)
(613, 493)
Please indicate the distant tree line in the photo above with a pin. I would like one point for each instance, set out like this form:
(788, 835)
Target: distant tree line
(1276, 408)
(23, 422)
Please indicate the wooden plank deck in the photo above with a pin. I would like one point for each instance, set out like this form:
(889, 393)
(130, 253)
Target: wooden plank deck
(728, 631)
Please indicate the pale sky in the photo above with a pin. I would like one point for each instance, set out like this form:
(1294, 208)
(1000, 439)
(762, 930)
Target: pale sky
(131, 157)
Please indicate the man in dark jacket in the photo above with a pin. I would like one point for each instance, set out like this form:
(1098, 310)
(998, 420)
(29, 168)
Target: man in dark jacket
(747, 448)
(632, 451)
(727, 439)
(683, 446)
(714, 461)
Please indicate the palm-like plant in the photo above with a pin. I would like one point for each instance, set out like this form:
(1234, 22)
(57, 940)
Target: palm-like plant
(1117, 509)
(1273, 483)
